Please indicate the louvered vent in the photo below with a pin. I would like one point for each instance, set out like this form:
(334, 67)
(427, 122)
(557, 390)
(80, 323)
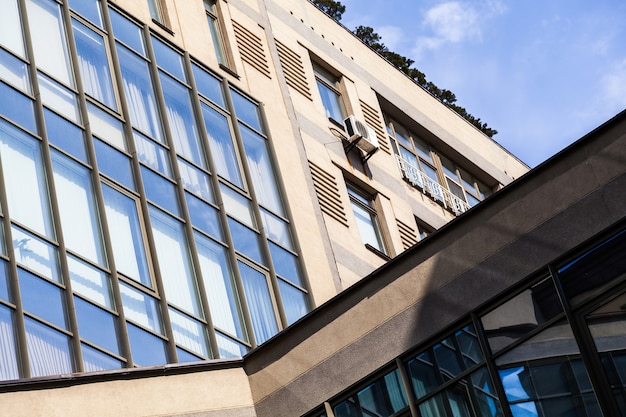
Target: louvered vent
(293, 69)
(372, 118)
(407, 234)
(251, 49)
(328, 194)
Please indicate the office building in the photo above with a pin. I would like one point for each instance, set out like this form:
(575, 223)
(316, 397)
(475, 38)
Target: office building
(183, 180)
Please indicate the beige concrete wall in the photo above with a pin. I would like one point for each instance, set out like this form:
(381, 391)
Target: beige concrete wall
(217, 393)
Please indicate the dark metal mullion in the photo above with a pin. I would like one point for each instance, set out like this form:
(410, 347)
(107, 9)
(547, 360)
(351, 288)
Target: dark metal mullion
(154, 73)
(491, 366)
(588, 352)
(282, 318)
(408, 388)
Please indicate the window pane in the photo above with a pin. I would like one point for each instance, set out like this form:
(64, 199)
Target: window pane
(59, 98)
(13, 70)
(8, 358)
(245, 240)
(147, 349)
(140, 94)
(48, 350)
(246, 110)
(106, 127)
(204, 217)
(152, 154)
(221, 145)
(168, 59)
(141, 308)
(94, 360)
(160, 191)
(79, 218)
(259, 303)
(229, 348)
(181, 120)
(94, 64)
(174, 262)
(127, 32)
(237, 206)
(65, 135)
(49, 41)
(196, 181)
(89, 9)
(126, 236)
(261, 171)
(208, 85)
(384, 397)
(4, 283)
(189, 333)
(96, 325)
(220, 287)
(42, 298)
(17, 107)
(184, 356)
(90, 282)
(367, 224)
(286, 264)
(424, 378)
(294, 302)
(332, 102)
(114, 163)
(11, 33)
(276, 229)
(36, 254)
(216, 37)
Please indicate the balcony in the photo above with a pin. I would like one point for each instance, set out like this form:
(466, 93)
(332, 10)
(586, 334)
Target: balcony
(431, 188)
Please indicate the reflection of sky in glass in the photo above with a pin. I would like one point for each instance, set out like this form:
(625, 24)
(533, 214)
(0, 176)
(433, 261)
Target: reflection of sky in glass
(524, 410)
(512, 384)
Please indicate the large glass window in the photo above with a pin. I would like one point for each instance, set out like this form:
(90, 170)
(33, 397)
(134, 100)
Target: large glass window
(328, 86)
(48, 350)
(8, 353)
(221, 145)
(366, 219)
(259, 303)
(11, 34)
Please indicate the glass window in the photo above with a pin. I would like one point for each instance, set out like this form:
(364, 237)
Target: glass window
(286, 264)
(141, 308)
(10, 22)
(366, 219)
(424, 377)
(276, 229)
(220, 287)
(90, 282)
(79, 217)
(106, 127)
(208, 85)
(196, 181)
(294, 302)
(152, 154)
(216, 35)
(114, 164)
(168, 59)
(204, 216)
(126, 235)
(139, 94)
(229, 348)
(189, 333)
(247, 111)
(13, 70)
(160, 191)
(8, 353)
(181, 119)
(94, 64)
(94, 360)
(42, 298)
(48, 350)
(127, 32)
(385, 396)
(27, 191)
(261, 170)
(245, 240)
(96, 325)
(158, 12)
(49, 40)
(89, 9)
(147, 349)
(4, 283)
(237, 205)
(65, 135)
(328, 86)
(59, 98)
(259, 303)
(36, 254)
(17, 107)
(174, 262)
(221, 145)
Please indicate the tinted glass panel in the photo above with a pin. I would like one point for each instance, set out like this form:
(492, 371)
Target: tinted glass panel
(204, 217)
(286, 264)
(221, 145)
(90, 282)
(17, 107)
(294, 302)
(36, 254)
(96, 325)
(168, 59)
(65, 135)
(127, 32)
(247, 111)
(141, 308)
(114, 163)
(48, 350)
(196, 181)
(208, 85)
(259, 303)
(14, 71)
(229, 348)
(4, 283)
(384, 397)
(189, 333)
(424, 378)
(59, 98)
(160, 191)
(106, 127)
(152, 154)
(245, 240)
(42, 298)
(89, 9)
(94, 360)
(8, 358)
(147, 349)
(276, 229)
(11, 33)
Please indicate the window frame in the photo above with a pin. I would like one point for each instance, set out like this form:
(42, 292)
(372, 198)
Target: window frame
(158, 13)
(360, 199)
(332, 84)
(213, 13)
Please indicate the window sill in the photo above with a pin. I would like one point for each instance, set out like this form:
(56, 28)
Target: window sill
(380, 253)
(229, 71)
(162, 26)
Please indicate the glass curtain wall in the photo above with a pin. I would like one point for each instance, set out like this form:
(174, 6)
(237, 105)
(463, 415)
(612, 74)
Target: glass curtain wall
(122, 254)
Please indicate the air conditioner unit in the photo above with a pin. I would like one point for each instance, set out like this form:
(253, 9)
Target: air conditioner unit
(361, 135)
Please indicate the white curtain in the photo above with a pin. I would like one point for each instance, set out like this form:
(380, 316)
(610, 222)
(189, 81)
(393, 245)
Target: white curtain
(8, 358)
(259, 303)
(48, 350)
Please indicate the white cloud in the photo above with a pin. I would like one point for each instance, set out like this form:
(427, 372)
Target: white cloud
(455, 22)
(392, 36)
(614, 86)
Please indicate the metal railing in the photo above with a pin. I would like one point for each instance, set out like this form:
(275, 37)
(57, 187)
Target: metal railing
(431, 187)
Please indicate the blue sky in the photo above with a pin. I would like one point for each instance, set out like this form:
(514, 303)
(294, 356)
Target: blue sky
(541, 72)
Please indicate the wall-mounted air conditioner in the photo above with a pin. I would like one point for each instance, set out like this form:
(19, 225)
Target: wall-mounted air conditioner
(360, 135)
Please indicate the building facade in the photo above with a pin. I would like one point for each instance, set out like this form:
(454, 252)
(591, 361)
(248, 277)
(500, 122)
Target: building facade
(181, 181)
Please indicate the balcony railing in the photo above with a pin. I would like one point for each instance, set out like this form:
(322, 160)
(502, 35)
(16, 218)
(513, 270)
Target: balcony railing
(431, 187)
